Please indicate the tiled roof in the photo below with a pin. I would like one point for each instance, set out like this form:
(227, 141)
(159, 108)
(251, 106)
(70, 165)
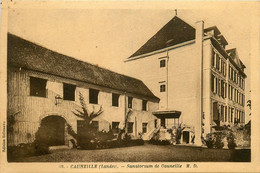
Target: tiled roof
(174, 32)
(25, 54)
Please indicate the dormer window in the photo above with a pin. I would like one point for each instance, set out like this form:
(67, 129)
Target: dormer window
(162, 63)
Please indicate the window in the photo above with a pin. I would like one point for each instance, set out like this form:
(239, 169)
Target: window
(225, 109)
(115, 98)
(222, 88)
(224, 70)
(213, 58)
(215, 111)
(130, 102)
(219, 87)
(216, 85)
(225, 95)
(231, 93)
(230, 73)
(93, 96)
(218, 60)
(145, 127)
(69, 92)
(144, 105)
(130, 126)
(115, 127)
(232, 114)
(155, 123)
(162, 88)
(212, 82)
(222, 113)
(162, 63)
(38, 87)
(94, 125)
(220, 65)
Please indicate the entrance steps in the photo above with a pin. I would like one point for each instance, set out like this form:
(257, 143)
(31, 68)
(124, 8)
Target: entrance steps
(53, 149)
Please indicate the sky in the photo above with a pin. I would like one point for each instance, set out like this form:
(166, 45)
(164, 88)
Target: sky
(107, 36)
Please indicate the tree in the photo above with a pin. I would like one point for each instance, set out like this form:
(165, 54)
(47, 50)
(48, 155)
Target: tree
(84, 114)
(88, 135)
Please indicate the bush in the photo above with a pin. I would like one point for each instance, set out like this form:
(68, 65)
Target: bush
(135, 142)
(27, 150)
(159, 142)
(209, 140)
(231, 140)
(218, 140)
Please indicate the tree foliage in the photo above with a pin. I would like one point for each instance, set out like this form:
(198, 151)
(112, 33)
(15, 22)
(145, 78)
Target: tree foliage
(85, 114)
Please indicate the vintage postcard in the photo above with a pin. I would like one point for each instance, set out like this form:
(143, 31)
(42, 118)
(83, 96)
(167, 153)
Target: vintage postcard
(128, 86)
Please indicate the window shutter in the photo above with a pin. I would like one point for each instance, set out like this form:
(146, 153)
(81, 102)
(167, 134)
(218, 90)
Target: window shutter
(215, 111)
(212, 82)
(222, 113)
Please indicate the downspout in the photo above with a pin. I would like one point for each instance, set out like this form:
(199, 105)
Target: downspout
(125, 111)
(167, 78)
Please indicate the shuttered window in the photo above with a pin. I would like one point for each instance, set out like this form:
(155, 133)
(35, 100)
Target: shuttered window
(215, 111)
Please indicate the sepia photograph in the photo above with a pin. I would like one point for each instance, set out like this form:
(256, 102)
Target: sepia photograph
(123, 84)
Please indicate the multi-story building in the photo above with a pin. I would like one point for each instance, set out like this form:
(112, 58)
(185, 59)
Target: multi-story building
(191, 72)
(188, 78)
(44, 87)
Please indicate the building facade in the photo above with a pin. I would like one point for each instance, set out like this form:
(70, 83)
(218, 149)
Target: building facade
(191, 72)
(187, 80)
(44, 88)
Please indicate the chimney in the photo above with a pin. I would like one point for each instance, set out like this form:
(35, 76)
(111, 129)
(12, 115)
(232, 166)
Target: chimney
(199, 53)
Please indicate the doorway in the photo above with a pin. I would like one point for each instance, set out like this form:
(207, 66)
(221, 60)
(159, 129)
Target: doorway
(186, 137)
(52, 131)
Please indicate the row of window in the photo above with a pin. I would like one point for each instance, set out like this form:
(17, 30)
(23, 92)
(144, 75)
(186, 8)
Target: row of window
(236, 116)
(218, 86)
(219, 63)
(236, 96)
(115, 126)
(38, 88)
(130, 127)
(227, 114)
(235, 77)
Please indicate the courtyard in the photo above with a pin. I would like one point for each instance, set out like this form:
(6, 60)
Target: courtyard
(145, 153)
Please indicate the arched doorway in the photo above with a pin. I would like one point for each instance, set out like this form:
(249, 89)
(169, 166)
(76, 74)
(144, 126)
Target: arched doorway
(52, 131)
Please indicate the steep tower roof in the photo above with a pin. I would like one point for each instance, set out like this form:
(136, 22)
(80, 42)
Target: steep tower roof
(174, 32)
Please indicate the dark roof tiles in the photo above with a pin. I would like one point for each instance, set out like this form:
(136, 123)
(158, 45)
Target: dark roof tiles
(23, 53)
(174, 32)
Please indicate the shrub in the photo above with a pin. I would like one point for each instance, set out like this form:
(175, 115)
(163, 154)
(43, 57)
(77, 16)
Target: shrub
(209, 140)
(159, 142)
(218, 140)
(231, 140)
(27, 150)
